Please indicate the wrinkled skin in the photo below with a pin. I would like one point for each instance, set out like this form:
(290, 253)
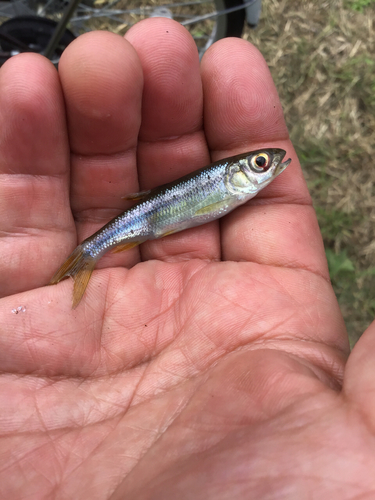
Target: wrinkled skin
(211, 364)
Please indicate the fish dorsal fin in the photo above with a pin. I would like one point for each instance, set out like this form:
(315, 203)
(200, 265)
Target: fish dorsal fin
(136, 196)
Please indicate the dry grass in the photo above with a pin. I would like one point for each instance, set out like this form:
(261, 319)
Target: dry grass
(321, 58)
(120, 15)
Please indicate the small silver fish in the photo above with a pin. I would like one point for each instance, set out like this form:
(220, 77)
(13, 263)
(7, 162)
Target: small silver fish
(197, 198)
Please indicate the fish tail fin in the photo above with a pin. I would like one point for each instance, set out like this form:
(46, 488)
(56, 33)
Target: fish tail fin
(80, 267)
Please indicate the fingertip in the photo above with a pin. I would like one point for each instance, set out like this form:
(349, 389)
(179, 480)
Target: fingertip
(172, 96)
(24, 79)
(30, 61)
(101, 46)
(161, 31)
(28, 80)
(99, 71)
(32, 117)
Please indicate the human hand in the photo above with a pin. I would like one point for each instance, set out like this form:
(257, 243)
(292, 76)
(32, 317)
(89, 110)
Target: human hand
(208, 364)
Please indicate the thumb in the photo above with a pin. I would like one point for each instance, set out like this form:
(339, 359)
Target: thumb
(359, 379)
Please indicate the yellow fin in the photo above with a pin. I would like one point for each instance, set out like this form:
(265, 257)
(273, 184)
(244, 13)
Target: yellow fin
(136, 196)
(81, 280)
(79, 266)
(210, 208)
(125, 246)
(168, 233)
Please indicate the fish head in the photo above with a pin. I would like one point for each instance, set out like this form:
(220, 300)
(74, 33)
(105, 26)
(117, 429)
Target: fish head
(250, 172)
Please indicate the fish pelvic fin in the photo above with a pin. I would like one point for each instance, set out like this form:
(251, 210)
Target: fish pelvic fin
(80, 267)
(122, 247)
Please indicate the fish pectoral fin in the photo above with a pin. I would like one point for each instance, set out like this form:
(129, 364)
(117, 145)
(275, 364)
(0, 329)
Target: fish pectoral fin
(122, 247)
(136, 196)
(80, 267)
(212, 207)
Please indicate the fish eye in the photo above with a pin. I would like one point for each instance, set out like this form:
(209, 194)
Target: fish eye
(260, 162)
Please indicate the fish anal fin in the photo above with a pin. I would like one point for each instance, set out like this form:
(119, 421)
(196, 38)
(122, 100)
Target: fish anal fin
(122, 247)
(212, 207)
(136, 196)
(79, 266)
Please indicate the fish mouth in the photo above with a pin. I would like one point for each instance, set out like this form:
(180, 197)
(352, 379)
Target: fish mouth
(280, 167)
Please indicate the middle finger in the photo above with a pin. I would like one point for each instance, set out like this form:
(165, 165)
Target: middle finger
(172, 142)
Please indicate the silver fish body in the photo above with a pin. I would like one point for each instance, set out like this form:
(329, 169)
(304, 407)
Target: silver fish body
(195, 199)
(168, 209)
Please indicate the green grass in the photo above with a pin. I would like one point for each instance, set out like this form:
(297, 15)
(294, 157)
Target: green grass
(354, 289)
(335, 224)
(359, 5)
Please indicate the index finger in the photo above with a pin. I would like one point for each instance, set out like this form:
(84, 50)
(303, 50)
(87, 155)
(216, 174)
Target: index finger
(242, 113)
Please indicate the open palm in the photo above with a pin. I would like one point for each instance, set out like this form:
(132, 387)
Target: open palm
(206, 365)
